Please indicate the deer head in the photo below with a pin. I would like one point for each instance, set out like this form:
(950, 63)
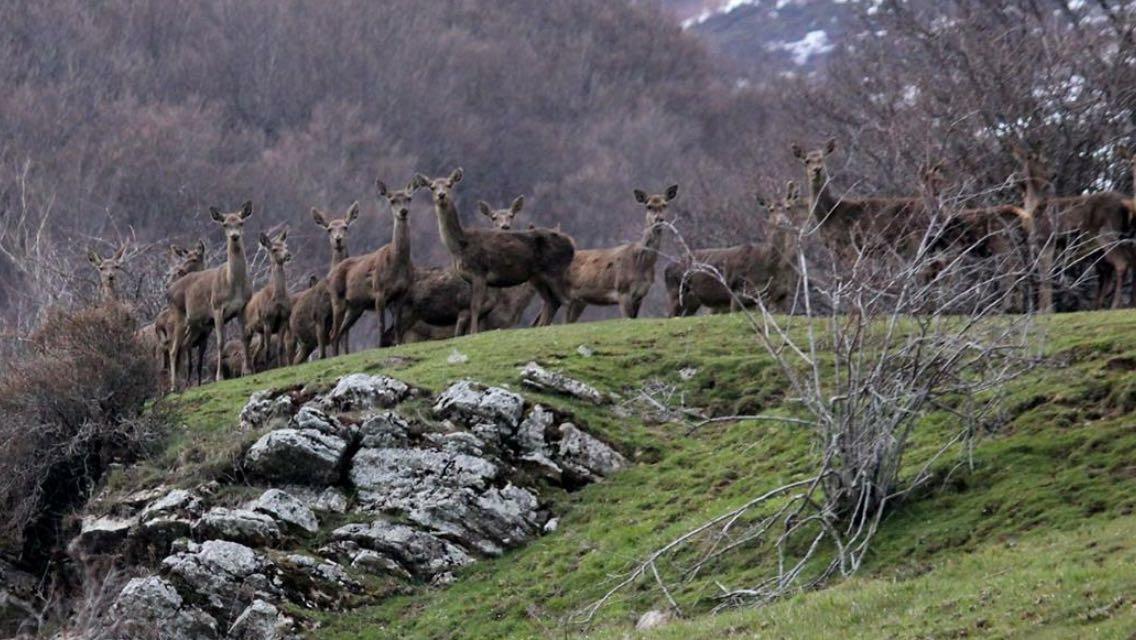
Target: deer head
(277, 248)
(337, 228)
(399, 200)
(502, 218)
(1035, 168)
(233, 223)
(109, 269)
(188, 259)
(441, 188)
(657, 204)
(780, 208)
(814, 160)
(933, 177)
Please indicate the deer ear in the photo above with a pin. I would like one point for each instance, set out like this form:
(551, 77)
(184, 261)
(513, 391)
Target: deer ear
(94, 257)
(264, 241)
(792, 191)
(177, 251)
(313, 281)
(762, 202)
(318, 216)
(456, 176)
(353, 212)
(672, 192)
(215, 213)
(283, 235)
(413, 185)
(382, 187)
(483, 207)
(246, 209)
(829, 146)
(640, 196)
(420, 181)
(518, 204)
(201, 247)
(798, 152)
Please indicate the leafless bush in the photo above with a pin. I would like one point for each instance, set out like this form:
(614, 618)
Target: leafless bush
(868, 350)
(72, 405)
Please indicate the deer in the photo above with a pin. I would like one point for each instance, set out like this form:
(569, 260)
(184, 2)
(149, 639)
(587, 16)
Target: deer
(109, 269)
(1103, 218)
(312, 321)
(493, 258)
(864, 224)
(186, 260)
(269, 310)
(620, 275)
(376, 279)
(216, 295)
(743, 269)
(437, 304)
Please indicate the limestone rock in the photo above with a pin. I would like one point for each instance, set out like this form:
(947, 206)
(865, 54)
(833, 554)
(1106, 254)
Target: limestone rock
(586, 456)
(101, 535)
(291, 455)
(151, 608)
(538, 377)
(362, 392)
(237, 525)
(473, 403)
(261, 621)
(283, 507)
(224, 575)
(266, 410)
(419, 553)
(385, 429)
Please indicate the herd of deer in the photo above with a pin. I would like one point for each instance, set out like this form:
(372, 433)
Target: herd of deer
(497, 272)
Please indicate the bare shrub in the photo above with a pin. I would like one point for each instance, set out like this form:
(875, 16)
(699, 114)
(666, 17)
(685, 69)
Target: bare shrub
(72, 405)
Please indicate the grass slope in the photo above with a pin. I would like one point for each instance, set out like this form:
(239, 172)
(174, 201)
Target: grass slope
(1039, 538)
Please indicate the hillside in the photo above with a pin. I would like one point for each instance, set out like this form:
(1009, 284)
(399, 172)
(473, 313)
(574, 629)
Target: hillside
(1036, 539)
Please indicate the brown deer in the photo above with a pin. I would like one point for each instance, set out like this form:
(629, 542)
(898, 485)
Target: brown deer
(312, 320)
(1102, 219)
(492, 258)
(850, 225)
(741, 272)
(437, 303)
(109, 269)
(215, 295)
(621, 275)
(269, 310)
(186, 260)
(376, 279)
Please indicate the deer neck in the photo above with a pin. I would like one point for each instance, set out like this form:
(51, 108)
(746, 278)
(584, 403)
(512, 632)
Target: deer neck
(235, 264)
(400, 240)
(820, 192)
(279, 282)
(337, 256)
(108, 293)
(651, 242)
(449, 227)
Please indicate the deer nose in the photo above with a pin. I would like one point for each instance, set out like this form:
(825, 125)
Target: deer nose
(403, 212)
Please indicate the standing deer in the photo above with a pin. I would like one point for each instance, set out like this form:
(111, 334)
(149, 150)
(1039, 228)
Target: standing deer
(188, 260)
(621, 275)
(491, 258)
(849, 225)
(737, 274)
(1103, 219)
(268, 312)
(312, 321)
(109, 269)
(216, 295)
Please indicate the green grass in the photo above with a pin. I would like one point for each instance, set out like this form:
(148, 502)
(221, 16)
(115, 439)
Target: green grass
(1037, 539)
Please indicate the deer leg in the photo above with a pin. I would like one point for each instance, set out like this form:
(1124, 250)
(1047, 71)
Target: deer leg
(219, 327)
(246, 361)
(174, 360)
(633, 306)
(572, 314)
(380, 310)
(476, 300)
(462, 325)
(349, 320)
(337, 313)
(1121, 269)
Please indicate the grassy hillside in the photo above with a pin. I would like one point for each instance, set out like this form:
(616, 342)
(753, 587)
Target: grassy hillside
(1038, 539)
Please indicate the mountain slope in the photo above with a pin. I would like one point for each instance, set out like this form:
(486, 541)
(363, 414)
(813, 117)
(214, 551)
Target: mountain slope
(1034, 535)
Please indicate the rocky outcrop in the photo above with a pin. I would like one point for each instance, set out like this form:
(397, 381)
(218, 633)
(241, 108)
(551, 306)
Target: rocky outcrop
(535, 376)
(427, 498)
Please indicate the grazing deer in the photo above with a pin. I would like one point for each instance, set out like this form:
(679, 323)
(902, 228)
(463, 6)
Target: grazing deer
(744, 270)
(1104, 219)
(269, 310)
(109, 269)
(215, 295)
(374, 280)
(621, 275)
(848, 225)
(491, 258)
(312, 321)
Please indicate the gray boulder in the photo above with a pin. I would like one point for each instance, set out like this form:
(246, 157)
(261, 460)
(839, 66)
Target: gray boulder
(261, 621)
(362, 392)
(315, 419)
(327, 499)
(301, 456)
(473, 403)
(266, 409)
(224, 575)
(537, 377)
(175, 502)
(385, 429)
(419, 553)
(237, 525)
(152, 608)
(586, 456)
(315, 582)
(283, 507)
(101, 535)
